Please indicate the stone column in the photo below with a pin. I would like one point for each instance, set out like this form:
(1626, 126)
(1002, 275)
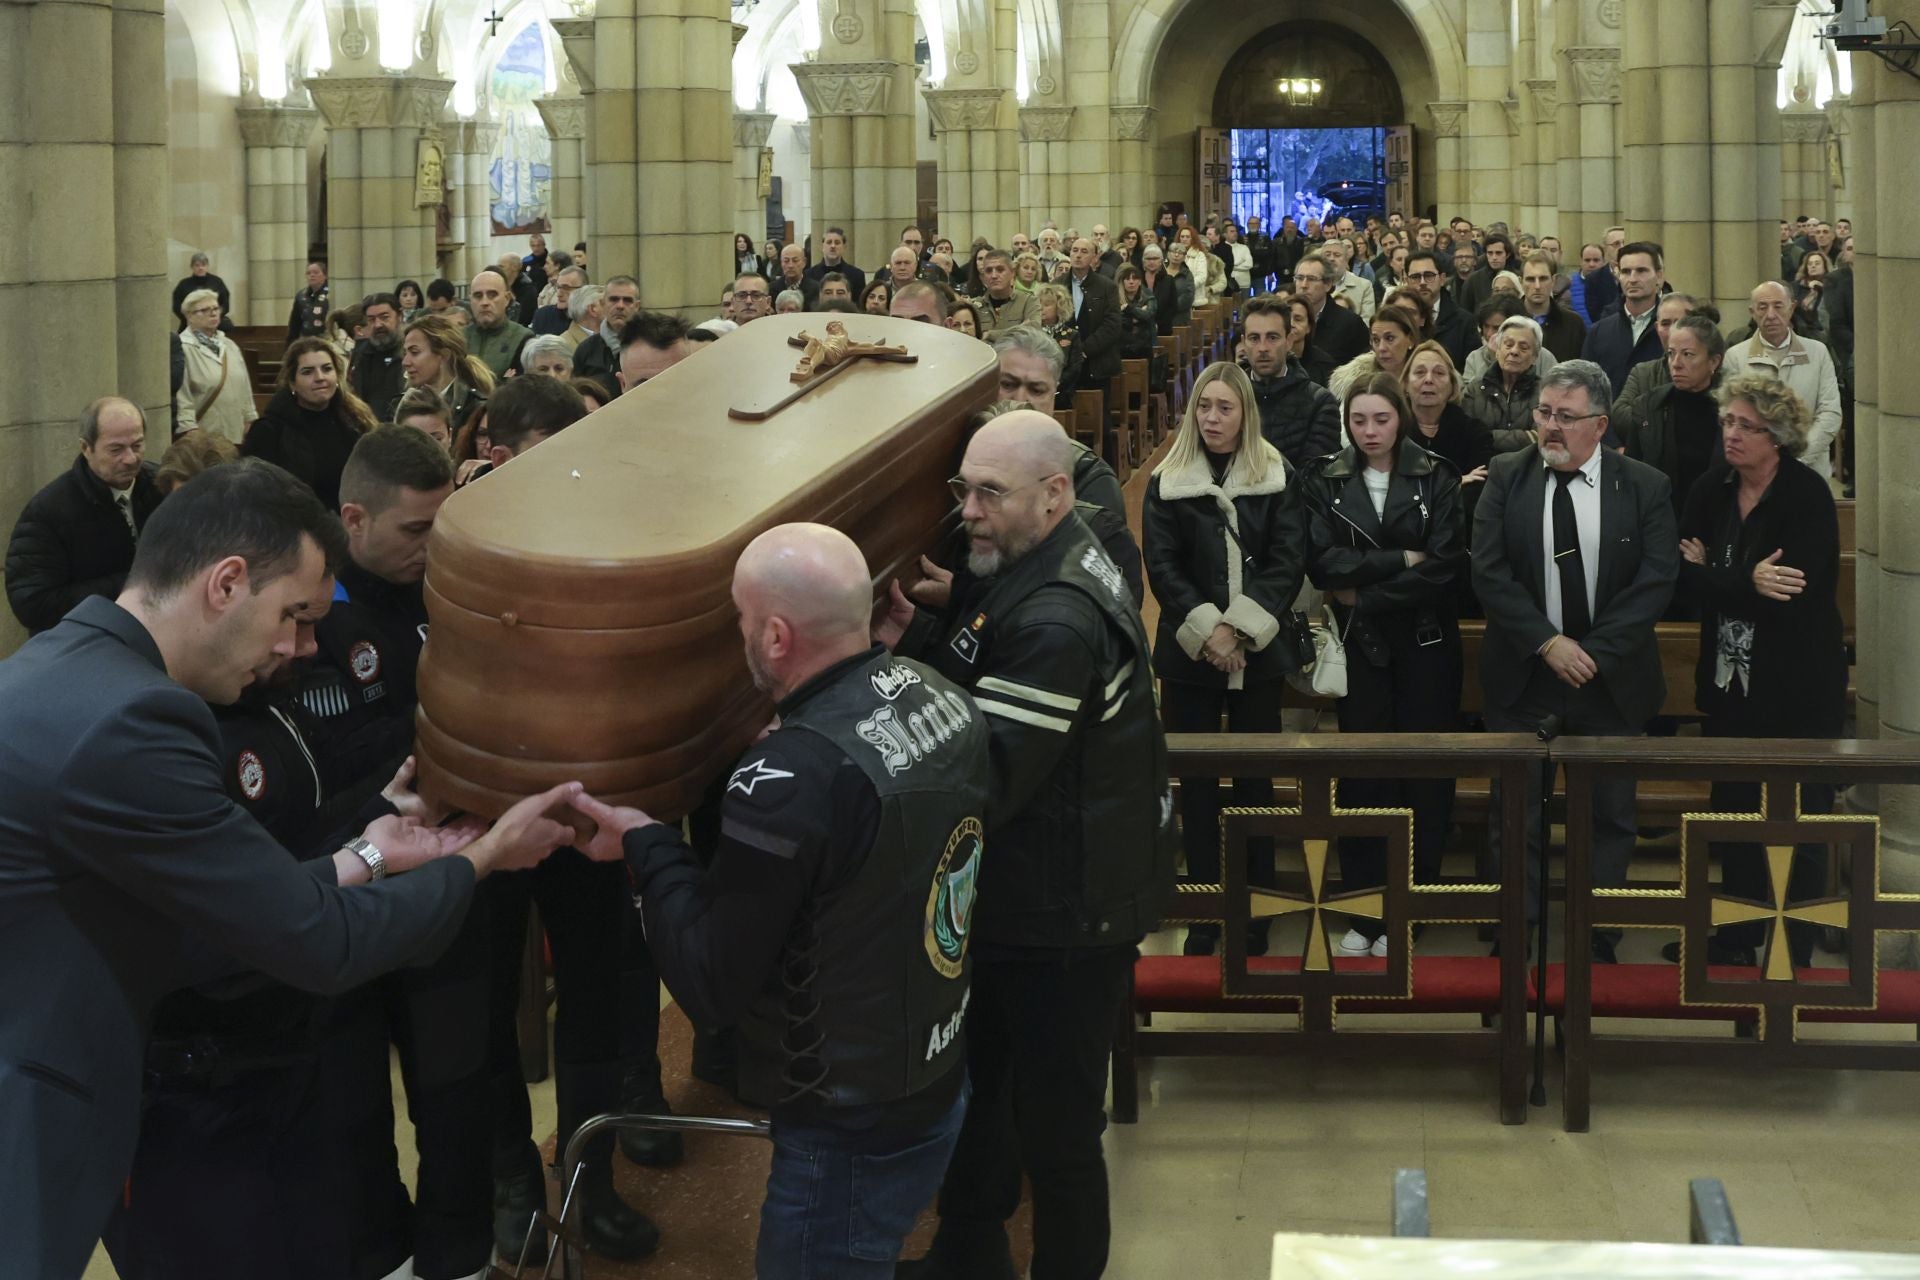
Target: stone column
(469, 146)
(1133, 166)
(859, 94)
(1803, 162)
(375, 233)
(1838, 151)
(1587, 194)
(1044, 167)
(1544, 96)
(576, 40)
(276, 138)
(750, 132)
(1641, 205)
(1486, 151)
(661, 148)
(1449, 178)
(85, 162)
(976, 156)
(1087, 52)
(566, 120)
(1743, 62)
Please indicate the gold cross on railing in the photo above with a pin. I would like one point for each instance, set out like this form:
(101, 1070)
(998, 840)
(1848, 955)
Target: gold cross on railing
(1267, 904)
(1739, 911)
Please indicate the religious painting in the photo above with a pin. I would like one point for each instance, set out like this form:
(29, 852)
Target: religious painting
(521, 178)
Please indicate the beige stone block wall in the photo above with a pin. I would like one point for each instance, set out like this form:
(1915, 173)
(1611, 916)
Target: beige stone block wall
(276, 168)
(375, 235)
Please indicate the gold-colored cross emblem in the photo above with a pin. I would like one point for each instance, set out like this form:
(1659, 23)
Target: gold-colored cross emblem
(1738, 911)
(1265, 904)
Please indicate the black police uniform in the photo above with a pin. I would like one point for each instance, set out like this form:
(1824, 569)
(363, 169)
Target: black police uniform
(1083, 853)
(361, 691)
(240, 1170)
(833, 924)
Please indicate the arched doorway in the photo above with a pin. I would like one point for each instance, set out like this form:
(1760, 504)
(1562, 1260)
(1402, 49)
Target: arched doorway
(1308, 123)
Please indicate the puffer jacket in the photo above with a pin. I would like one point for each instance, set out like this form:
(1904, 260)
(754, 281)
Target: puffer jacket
(1231, 550)
(1350, 548)
(1298, 416)
(1508, 414)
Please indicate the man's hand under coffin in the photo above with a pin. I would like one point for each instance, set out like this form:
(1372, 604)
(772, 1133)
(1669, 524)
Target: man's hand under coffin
(611, 824)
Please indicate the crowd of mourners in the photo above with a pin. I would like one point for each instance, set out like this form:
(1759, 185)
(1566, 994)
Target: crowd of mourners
(1423, 423)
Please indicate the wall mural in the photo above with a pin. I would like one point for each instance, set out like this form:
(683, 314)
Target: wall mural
(522, 171)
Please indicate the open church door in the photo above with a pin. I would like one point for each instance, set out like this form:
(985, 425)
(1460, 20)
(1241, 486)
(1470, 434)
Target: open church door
(1399, 168)
(1213, 172)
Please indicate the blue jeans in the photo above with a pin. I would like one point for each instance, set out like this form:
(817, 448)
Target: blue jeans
(839, 1205)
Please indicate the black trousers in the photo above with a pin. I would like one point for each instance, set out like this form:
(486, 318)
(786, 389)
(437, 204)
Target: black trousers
(1199, 708)
(437, 1018)
(1038, 1034)
(1744, 872)
(584, 906)
(242, 1177)
(1418, 691)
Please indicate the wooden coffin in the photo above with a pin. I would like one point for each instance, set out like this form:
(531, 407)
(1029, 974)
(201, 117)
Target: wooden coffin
(581, 621)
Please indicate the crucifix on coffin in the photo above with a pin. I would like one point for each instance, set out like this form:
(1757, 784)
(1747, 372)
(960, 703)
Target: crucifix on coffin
(822, 358)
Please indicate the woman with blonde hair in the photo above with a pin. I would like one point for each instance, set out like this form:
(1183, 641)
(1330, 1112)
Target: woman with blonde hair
(191, 454)
(433, 351)
(1224, 542)
(313, 421)
(216, 394)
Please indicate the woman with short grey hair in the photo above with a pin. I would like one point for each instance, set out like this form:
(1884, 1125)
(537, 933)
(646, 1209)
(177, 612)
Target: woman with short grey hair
(1502, 399)
(1760, 552)
(216, 393)
(548, 354)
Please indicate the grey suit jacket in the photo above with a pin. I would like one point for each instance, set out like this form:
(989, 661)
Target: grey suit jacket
(126, 873)
(1639, 564)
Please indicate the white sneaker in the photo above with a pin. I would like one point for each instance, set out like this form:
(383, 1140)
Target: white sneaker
(1379, 947)
(1354, 944)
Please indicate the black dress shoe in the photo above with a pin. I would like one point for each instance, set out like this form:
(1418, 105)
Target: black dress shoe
(1257, 938)
(517, 1197)
(654, 1148)
(1202, 940)
(612, 1227)
(1602, 950)
(1718, 952)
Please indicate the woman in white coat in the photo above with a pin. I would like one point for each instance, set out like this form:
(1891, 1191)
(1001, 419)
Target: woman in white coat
(216, 394)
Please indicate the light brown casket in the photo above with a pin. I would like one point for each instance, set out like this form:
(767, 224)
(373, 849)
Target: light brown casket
(581, 621)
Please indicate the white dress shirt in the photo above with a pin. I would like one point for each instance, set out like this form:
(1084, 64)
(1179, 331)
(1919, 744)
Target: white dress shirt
(1585, 488)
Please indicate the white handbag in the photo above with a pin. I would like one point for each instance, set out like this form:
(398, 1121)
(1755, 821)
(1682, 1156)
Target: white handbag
(1326, 675)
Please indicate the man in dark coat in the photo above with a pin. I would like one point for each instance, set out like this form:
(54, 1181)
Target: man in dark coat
(1096, 307)
(1562, 332)
(1338, 334)
(311, 305)
(1298, 416)
(833, 249)
(200, 277)
(1621, 339)
(376, 375)
(1452, 327)
(76, 536)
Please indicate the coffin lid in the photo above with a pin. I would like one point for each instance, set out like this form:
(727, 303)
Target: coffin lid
(619, 519)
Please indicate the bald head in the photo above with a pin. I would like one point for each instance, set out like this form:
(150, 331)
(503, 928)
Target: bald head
(1771, 306)
(1027, 441)
(805, 600)
(487, 296)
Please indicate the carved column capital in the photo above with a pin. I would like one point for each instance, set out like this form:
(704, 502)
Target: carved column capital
(1804, 126)
(1133, 124)
(1546, 98)
(1596, 72)
(576, 37)
(1447, 117)
(1511, 105)
(846, 88)
(277, 126)
(565, 117)
(964, 108)
(470, 137)
(1045, 124)
(752, 128)
(380, 102)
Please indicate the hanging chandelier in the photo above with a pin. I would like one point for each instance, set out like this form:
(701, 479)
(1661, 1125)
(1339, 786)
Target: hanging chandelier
(1299, 91)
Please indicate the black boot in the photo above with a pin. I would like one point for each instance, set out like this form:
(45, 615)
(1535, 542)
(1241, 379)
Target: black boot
(519, 1192)
(641, 1094)
(611, 1227)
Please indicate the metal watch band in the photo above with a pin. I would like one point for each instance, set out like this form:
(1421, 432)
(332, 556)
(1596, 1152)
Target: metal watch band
(370, 854)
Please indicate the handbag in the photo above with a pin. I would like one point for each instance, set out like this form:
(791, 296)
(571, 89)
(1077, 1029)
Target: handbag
(1326, 675)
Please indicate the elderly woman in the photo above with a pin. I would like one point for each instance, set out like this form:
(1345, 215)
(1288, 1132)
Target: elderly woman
(1056, 320)
(1760, 550)
(548, 354)
(313, 421)
(1432, 386)
(216, 394)
(789, 302)
(1225, 552)
(1679, 427)
(1387, 540)
(1502, 401)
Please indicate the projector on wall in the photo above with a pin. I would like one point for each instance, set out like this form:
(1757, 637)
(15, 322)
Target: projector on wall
(1849, 26)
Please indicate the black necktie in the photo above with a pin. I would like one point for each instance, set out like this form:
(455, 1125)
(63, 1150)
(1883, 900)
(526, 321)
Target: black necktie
(1576, 616)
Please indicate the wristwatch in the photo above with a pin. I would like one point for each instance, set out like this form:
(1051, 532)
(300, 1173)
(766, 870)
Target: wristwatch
(369, 853)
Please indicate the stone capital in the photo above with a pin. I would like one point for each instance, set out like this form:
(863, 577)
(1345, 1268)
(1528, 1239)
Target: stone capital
(1596, 72)
(846, 88)
(1045, 124)
(1546, 98)
(964, 108)
(1511, 105)
(1133, 124)
(565, 117)
(803, 137)
(470, 137)
(1447, 117)
(1804, 126)
(276, 126)
(752, 128)
(380, 102)
(576, 37)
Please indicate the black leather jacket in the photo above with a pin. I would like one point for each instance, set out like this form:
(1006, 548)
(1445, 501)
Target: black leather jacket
(1353, 549)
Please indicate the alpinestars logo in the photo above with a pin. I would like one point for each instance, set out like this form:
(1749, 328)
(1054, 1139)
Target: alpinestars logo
(749, 776)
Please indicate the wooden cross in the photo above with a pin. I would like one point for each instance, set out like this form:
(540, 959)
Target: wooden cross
(494, 20)
(821, 359)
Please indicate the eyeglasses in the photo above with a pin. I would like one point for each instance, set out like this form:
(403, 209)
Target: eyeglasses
(1730, 423)
(989, 496)
(749, 295)
(1560, 417)
(1421, 275)
(1308, 279)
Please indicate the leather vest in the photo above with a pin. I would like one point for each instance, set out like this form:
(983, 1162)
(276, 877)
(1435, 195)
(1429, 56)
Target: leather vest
(874, 978)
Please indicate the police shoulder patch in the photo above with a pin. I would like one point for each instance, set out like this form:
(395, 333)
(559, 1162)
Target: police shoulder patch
(251, 774)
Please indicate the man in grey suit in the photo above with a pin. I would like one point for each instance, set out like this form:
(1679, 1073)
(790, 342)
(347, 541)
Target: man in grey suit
(1575, 555)
(126, 872)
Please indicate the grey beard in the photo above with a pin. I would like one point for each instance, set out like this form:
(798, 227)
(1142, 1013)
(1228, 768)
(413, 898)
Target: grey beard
(984, 564)
(1556, 455)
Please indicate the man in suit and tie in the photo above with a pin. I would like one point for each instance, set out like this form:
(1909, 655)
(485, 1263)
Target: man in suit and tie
(1096, 309)
(127, 872)
(1575, 555)
(1338, 334)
